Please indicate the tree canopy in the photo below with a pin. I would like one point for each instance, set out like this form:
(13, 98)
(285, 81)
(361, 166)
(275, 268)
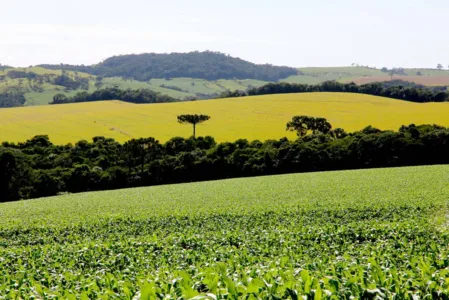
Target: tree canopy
(37, 168)
(193, 119)
(12, 99)
(128, 95)
(304, 124)
(205, 65)
(396, 89)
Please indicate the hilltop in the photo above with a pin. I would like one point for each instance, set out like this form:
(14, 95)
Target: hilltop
(202, 65)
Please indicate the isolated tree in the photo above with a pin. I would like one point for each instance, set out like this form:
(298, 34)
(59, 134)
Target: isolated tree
(193, 119)
(392, 72)
(98, 82)
(440, 66)
(303, 124)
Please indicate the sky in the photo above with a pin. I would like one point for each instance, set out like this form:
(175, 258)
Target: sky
(298, 33)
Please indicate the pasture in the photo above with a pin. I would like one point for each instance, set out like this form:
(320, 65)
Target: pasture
(364, 234)
(424, 80)
(259, 117)
(363, 75)
(180, 88)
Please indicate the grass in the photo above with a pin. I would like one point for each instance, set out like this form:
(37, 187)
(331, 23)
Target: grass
(177, 87)
(259, 117)
(319, 74)
(362, 75)
(424, 80)
(188, 87)
(182, 88)
(328, 235)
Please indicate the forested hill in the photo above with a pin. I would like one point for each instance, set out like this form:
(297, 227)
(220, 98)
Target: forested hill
(204, 65)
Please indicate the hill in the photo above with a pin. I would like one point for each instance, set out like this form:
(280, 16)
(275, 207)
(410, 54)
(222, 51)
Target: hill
(362, 234)
(203, 65)
(363, 75)
(39, 85)
(258, 117)
(423, 80)
(205, 75)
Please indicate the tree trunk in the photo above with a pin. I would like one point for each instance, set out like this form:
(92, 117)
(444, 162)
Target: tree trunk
(143, 159)
(194, 130)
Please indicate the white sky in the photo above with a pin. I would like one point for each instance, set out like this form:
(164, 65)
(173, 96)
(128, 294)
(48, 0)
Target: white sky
(392, 33)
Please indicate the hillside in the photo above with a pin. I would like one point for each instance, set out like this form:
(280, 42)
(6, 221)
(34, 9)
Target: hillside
(196, 75)
(362, 75)
(357, 234)
(38, 85)
(203, 65)
(258, 117)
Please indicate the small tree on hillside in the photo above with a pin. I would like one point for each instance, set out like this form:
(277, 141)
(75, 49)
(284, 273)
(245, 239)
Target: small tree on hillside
(303, 124)
(193, 119)
(391, 73)
(440, 66)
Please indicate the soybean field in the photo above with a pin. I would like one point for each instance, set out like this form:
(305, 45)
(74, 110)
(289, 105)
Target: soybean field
(372, 234)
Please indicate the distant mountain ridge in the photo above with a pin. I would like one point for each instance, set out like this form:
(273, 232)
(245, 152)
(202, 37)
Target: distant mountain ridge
(203, 65)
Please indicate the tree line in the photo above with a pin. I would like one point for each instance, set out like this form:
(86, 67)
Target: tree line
(11, 99)
(113, 93)
(397, 90)
(205, 65)
(38, 168)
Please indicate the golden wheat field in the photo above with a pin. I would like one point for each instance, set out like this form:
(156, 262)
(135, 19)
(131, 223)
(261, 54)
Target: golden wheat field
(259, 117)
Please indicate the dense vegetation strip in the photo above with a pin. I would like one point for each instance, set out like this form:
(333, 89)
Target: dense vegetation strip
(11, 99)
(205, 65)
(396, 89)
(38, 168)
(371, 234)
(128, 95)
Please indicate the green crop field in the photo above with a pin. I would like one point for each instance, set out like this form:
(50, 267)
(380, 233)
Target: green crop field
(371, 234)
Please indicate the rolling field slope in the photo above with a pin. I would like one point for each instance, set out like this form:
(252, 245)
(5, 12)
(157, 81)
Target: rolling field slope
(424, 80)
(41, 92)
(368, 234)
(39, 85)
(363, 75)
(258, 117)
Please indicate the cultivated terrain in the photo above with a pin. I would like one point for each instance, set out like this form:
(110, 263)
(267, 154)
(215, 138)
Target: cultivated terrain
(369, 234)
(184, 76)
(259, 117)
(141, 209)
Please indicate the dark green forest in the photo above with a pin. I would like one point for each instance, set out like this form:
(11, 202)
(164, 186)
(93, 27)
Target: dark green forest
(37, 168)
(204, 65)
(398, 89)
(11, 99)
(128, 95)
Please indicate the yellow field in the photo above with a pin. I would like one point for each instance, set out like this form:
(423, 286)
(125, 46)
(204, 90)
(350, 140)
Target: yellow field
(259, 117)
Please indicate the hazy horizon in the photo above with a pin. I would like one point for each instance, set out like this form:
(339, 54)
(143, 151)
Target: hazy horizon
(407, 34)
